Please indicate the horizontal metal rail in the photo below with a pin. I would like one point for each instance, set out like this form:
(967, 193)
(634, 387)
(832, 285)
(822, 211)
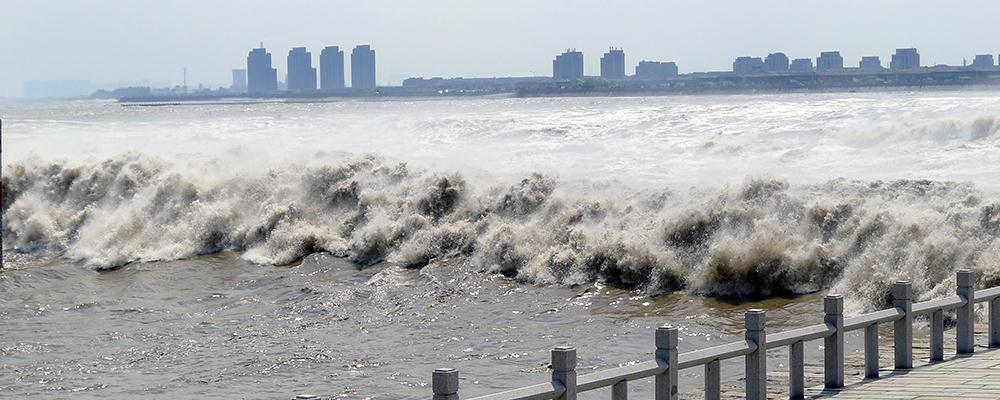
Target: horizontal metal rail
(667, 362)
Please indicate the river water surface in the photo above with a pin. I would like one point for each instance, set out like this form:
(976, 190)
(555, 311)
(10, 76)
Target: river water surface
(345, 249)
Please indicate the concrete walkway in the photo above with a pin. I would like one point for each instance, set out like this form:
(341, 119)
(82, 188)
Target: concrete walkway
(972, 377)
(967, 377)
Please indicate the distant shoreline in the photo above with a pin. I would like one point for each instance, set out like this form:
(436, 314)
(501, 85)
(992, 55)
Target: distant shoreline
(722, 84)
(868, 89)
(238, 100)
(767, 83)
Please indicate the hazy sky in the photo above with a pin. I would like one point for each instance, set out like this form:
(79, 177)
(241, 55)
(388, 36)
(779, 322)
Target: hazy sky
(104, 41)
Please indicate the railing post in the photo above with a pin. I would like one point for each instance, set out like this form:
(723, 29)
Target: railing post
(871, 351)
(902, 295)
(995, 322)
(796, 371)
(444, 381)
(619, 391)
(666, 356)
(937, 335)
(966, 340)
(713, 380)
(564, 371)
(756, 361)
(833, 346)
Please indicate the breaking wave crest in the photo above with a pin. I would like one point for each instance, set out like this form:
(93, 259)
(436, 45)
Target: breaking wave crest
(764, 237)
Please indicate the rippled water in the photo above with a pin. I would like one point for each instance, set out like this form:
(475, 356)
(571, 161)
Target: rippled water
(256, 251)
(223, 327)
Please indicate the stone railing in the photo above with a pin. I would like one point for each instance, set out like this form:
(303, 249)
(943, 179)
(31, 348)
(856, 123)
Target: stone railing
(565, 384)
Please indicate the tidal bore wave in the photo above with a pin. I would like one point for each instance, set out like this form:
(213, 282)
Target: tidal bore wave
(764, 237)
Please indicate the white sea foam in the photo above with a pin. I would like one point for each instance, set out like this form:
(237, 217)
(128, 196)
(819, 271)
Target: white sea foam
(722, 195)
(702, 141)
(761, 237)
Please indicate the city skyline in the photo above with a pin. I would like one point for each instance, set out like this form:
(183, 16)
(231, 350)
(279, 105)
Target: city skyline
(260, 76)
(330, 72)
(423, 40)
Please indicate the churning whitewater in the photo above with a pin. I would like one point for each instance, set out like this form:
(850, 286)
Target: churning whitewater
(761, 237)
(348, 248)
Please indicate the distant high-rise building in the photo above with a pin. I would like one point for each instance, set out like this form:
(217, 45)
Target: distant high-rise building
(655, 70)
(829, 61)
(363, 67)
(568, 65)
(748, 65)
(261, 77)
(905, 59)
(870, 63)
(301, 74)
(801, 65)
(613, 64)
(983, 60)
(776, 62)
(331, 68)
(239, 84)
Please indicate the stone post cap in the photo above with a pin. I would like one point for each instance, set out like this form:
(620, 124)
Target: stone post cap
(564, 358)
(666, 337)
(902, 290)
(833, 304)
(445, 381)
(754, 319)
(963, 278)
